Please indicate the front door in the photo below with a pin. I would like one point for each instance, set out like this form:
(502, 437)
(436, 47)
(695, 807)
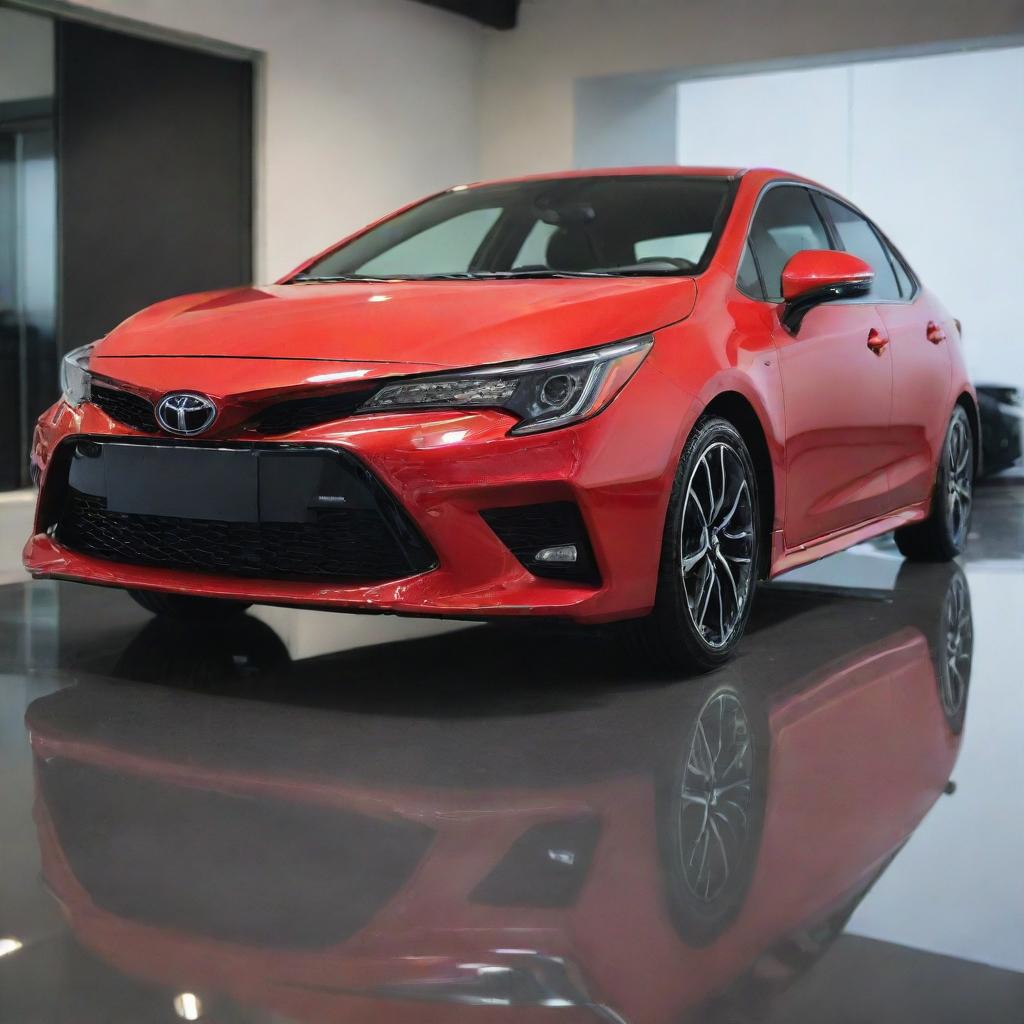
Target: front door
(836, 379)
(838, 398)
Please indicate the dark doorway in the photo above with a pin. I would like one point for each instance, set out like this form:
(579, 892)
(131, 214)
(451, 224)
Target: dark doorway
(155, 175)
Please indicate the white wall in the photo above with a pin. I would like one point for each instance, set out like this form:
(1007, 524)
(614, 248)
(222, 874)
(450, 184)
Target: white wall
(26, 56)
(366, 104)
(531, 73)
(931, 147)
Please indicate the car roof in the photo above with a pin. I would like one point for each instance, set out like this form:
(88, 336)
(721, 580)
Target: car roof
(691, 171)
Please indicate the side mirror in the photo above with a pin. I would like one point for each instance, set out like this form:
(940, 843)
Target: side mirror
(815, 276)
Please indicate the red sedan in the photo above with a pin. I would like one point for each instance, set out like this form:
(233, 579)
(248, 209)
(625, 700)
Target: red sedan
(601, 395)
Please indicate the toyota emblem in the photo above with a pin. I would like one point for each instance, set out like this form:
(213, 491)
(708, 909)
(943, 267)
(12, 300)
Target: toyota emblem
(185, 412)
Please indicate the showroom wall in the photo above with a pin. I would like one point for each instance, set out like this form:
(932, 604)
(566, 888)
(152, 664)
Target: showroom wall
(343, 135)
(527, 97)
(26, 57)
(943, 181)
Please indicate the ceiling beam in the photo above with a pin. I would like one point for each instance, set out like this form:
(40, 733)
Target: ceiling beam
(492, 13)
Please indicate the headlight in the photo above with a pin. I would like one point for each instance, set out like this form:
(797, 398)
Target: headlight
(543, 393)
(75, 379)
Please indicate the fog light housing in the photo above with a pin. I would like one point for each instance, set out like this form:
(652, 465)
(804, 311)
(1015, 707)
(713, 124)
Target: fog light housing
(549, 539)
(562, 553)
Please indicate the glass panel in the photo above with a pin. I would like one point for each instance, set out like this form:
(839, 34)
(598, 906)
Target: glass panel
(28, 234)
(857, 236)
(786, 223)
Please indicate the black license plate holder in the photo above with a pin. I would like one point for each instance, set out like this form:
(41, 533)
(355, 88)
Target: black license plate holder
(182, 482)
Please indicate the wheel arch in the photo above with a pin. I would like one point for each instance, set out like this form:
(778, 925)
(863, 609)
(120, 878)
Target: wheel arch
(739, 411)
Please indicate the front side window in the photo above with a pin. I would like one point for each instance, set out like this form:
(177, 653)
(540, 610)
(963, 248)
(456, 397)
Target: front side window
(857, 236)
(614, 225)
(747, 278)
(786, 222)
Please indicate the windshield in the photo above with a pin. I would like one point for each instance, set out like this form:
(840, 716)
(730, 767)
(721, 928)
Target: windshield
(600, 226)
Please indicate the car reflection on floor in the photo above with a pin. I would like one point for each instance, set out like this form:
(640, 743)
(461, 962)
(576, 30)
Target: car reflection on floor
(452, 827)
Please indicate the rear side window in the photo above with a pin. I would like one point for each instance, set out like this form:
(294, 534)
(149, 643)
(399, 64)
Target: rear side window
(786, 223)
(857, 236)
(902, 274)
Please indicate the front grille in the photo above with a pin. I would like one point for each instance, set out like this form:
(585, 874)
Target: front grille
(131, 410)
(349, 544)
(298, 413)
(267, 511)
(526, 529)
(257, 871)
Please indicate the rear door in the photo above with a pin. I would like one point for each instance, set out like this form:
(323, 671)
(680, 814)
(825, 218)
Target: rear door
(837, 389)
(921, 366)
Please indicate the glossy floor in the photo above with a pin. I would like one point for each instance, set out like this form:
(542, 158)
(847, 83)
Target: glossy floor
(306, 817)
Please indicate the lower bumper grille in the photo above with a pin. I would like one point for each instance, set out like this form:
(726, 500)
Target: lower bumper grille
(276, 532)
(528, 529)
(339, 545)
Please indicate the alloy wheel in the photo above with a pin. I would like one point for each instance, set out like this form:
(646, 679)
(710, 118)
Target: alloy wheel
(955, 673)
(717, 543)
(959, 480)
(713, 826)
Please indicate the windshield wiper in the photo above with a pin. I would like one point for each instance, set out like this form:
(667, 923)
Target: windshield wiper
(504, 275)
(492, 275)
(332, 278)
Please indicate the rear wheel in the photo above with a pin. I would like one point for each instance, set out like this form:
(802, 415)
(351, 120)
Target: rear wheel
(187, 606)
(709, 553)
(943, 534)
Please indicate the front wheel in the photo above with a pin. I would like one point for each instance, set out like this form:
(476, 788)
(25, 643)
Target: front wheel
(709, 553)
(943, 534)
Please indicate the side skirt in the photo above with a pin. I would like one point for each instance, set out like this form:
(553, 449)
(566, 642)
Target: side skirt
(784, 559)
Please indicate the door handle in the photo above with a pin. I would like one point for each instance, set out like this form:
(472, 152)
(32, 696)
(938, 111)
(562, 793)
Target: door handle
(877, 341)
(935, 333)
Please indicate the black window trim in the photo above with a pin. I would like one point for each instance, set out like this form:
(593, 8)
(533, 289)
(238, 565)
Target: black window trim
(816, 190)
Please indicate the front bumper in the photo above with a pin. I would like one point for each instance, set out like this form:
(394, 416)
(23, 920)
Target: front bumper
(444, 469)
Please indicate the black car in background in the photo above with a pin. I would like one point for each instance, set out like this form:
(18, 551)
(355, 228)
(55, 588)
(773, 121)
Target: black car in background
(1001, 408)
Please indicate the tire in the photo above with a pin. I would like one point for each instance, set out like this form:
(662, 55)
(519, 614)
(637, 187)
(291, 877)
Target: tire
(943, 534)
(187, 606)
(936, 600)
(705, 580)
(710, 808)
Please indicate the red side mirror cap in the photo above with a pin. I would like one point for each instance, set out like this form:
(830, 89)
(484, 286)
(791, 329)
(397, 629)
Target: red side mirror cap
(814, 269)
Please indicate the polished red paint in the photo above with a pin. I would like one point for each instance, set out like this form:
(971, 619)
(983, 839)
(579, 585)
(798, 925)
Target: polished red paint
(812, 269)
(858, 752)
(852, 436)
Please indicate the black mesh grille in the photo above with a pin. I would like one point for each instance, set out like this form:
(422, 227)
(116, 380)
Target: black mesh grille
(526, 529)
(253, 870)
(345, 544)
(297, 413)
(123, 406)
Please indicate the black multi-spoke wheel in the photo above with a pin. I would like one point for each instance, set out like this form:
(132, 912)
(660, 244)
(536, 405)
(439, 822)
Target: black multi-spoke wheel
(955, 652)
(943, 534)
(709, 552)
(717, 542)
(715, 795)
(936, 600)
(710, 815)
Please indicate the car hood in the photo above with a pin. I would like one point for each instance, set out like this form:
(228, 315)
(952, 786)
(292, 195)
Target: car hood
(426, 323)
